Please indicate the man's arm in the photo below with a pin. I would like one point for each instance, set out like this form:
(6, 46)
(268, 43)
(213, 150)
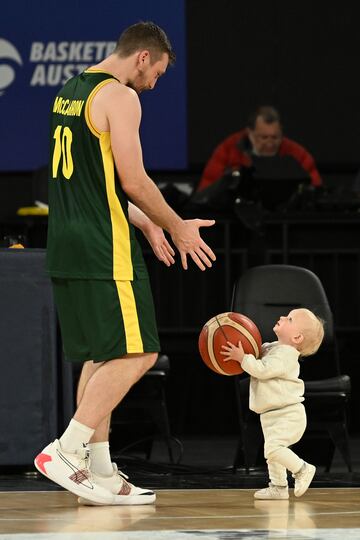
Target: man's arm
(153, 233)
(303, 157)
(124, 115)
(122, 110)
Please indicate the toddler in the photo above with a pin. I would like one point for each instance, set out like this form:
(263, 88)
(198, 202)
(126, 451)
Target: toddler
(277, 393)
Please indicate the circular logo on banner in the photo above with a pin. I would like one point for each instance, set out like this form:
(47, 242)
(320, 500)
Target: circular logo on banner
(7, 72)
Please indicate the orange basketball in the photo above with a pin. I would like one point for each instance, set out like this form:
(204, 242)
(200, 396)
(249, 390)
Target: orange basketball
(233, 327)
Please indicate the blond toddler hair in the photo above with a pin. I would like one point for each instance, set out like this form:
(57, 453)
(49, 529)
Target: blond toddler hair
(313, 332)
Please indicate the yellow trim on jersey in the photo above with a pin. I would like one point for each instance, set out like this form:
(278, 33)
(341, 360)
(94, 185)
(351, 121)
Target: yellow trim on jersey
(134, 342)
(89, 123)
(100, 71)
(122, 263)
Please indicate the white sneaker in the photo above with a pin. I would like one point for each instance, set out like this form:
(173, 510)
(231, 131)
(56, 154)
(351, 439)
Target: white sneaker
(124, 493)
(272, 492)
(72, 472)
(303, 479)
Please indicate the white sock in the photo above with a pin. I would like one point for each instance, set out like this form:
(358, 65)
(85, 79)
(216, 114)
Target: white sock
(75, 436)
(100, 458)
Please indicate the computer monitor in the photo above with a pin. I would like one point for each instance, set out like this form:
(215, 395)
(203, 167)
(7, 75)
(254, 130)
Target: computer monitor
(273, 181)
(278, 194)
(276, 181)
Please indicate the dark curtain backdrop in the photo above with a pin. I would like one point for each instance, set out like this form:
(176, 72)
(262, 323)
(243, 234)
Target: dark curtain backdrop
(302, 57)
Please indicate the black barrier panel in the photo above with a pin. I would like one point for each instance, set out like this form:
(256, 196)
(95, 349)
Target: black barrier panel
(31, 404)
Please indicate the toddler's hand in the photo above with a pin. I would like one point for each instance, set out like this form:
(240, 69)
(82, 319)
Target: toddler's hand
(233, 352)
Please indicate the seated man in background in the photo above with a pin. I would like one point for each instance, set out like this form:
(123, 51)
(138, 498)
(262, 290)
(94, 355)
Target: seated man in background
(249, 149)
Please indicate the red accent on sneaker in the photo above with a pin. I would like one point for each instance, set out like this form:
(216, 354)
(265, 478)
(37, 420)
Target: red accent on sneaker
(41, 459)
(79, 476)
(125, 488)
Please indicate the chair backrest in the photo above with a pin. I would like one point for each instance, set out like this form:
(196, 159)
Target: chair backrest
(264, 293)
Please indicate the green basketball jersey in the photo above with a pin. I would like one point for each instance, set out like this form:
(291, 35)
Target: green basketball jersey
(89, 234)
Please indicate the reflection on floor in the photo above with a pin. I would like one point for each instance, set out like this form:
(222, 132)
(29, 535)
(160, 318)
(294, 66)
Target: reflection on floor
(200, 498)
(236, 534)
(182, 515)
(205, 464)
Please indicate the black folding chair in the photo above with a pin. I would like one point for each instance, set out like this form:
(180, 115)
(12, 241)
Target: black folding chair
(264, 293)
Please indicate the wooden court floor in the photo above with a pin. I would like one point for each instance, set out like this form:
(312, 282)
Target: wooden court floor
(330, 513)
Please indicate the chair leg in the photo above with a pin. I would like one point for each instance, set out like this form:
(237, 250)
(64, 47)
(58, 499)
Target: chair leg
(250, 449)
(242, 451)
(160, 417)
(340, 438)
(241, 455)
(330, 455)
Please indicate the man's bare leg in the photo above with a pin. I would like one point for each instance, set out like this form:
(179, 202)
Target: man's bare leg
(100, 455)
(106, 386)
(102, 388)
(99, 443)
(102, 431)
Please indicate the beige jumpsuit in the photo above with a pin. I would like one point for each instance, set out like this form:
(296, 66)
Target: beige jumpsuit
(276, 393)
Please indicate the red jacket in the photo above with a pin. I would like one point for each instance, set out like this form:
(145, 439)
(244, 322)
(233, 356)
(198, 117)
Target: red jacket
(229, 156)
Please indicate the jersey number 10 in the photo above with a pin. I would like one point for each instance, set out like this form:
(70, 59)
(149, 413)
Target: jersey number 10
(62, 150)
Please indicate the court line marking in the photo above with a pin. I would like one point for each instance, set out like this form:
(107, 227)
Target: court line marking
(36, 491)
(162, 490)
(188, 534)
(241, 516)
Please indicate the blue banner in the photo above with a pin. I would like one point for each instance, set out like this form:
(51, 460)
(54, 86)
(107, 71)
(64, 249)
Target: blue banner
(43, 43)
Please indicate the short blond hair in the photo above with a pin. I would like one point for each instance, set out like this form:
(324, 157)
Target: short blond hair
(145, 35)
(313, 332)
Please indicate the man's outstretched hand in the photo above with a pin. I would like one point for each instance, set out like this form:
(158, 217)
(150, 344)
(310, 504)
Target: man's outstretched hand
(161, 247)
(187, 239)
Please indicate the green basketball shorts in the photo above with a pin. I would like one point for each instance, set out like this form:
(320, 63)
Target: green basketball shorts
(103, 319)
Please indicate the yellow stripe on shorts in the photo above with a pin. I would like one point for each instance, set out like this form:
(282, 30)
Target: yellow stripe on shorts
(122, 262)
(134, 342)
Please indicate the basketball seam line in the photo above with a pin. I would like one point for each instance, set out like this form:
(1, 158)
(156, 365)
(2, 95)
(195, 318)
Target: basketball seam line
(243, 331)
